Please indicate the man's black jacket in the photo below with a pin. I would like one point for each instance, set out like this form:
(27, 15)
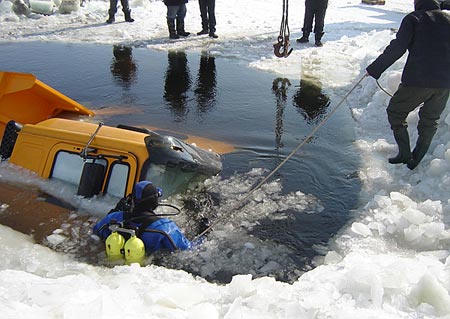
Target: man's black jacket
(425, 33)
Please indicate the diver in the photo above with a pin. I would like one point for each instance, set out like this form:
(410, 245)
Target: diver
(134, 219)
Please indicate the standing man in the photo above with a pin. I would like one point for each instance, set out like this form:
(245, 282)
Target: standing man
(176, 12)
(207, 13)
(314, 10)
(425, 33)
(113, 9)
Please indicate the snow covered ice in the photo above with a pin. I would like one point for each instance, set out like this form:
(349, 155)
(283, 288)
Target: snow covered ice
(392, 259)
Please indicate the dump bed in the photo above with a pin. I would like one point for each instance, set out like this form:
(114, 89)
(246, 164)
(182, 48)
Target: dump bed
(26, 100)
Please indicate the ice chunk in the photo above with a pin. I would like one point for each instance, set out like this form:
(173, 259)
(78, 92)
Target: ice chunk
(413, 233)
(242, 285)
(203, 311)
(433, 229)
(42, 7)
(361, 229)
(393, 80)
(430, 207)
(402, 200)
(332, 257)
(438, 167)
(430, 291)
(415, 216)
(447, 155)
(56, 239)
(270, 266)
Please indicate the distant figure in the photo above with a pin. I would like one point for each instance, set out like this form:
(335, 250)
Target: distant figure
(425, 34)
(207, 13)
(176, 12)
(155, 231)
(123, 67)
(314, 10)
(113, 9)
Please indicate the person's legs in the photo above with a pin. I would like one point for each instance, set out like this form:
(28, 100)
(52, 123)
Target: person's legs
(308, 21)
(171, 16)
(126, 10)
(212, 15)
(204, 15)
(319, 18)
(112, 11)
(401, 104)
(429, 116)
(181, 14)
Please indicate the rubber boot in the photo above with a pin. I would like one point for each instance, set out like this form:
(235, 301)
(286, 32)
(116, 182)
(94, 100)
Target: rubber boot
(422, 146)
(204, 31)
(304, 38)
(128, 17)
(404, 155)
(171, 26)
(318, 38)
(180, 28)
(111, 18)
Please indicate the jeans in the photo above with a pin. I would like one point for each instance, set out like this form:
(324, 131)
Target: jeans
(176, 12)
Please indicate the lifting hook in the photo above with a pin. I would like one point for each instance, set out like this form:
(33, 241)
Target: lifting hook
(281, 48)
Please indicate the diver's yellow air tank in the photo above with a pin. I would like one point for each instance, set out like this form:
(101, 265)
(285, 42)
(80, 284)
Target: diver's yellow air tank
(114, 246)
(134, 250)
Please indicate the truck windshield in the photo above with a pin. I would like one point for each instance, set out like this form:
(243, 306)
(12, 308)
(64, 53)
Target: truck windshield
(174, 165)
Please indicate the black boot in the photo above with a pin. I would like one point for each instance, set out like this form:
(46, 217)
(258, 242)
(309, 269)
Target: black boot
(318, 38)
(304, 38)
(171, 26)
(128, 17)
(180, 28)
(422, 146)
(404, 149)
(111, 18)
(204, 31)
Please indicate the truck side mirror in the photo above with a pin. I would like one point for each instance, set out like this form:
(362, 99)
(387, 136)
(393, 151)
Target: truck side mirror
(91, 180)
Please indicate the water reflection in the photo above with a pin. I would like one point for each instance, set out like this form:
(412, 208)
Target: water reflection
(206, 83)
(279, 88)
(123, 67)
(177, 82)
(310, 101)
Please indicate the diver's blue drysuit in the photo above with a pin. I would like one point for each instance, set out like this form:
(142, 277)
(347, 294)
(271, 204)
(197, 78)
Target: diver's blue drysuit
(161, 233)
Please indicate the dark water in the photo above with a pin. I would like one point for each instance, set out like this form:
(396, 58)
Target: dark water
(264, 116)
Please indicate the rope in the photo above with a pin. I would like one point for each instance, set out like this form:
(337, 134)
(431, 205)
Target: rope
(241, 202)
(284, 27)
(382, 89)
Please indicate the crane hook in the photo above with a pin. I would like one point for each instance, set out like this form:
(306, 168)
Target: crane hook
(281, 48)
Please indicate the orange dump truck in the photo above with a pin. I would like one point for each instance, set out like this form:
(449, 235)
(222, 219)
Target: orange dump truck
(37, 134)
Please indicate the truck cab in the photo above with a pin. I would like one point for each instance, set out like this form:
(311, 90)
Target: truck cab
(93, 157)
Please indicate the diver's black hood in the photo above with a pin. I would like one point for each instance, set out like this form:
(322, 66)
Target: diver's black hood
(426, 5)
